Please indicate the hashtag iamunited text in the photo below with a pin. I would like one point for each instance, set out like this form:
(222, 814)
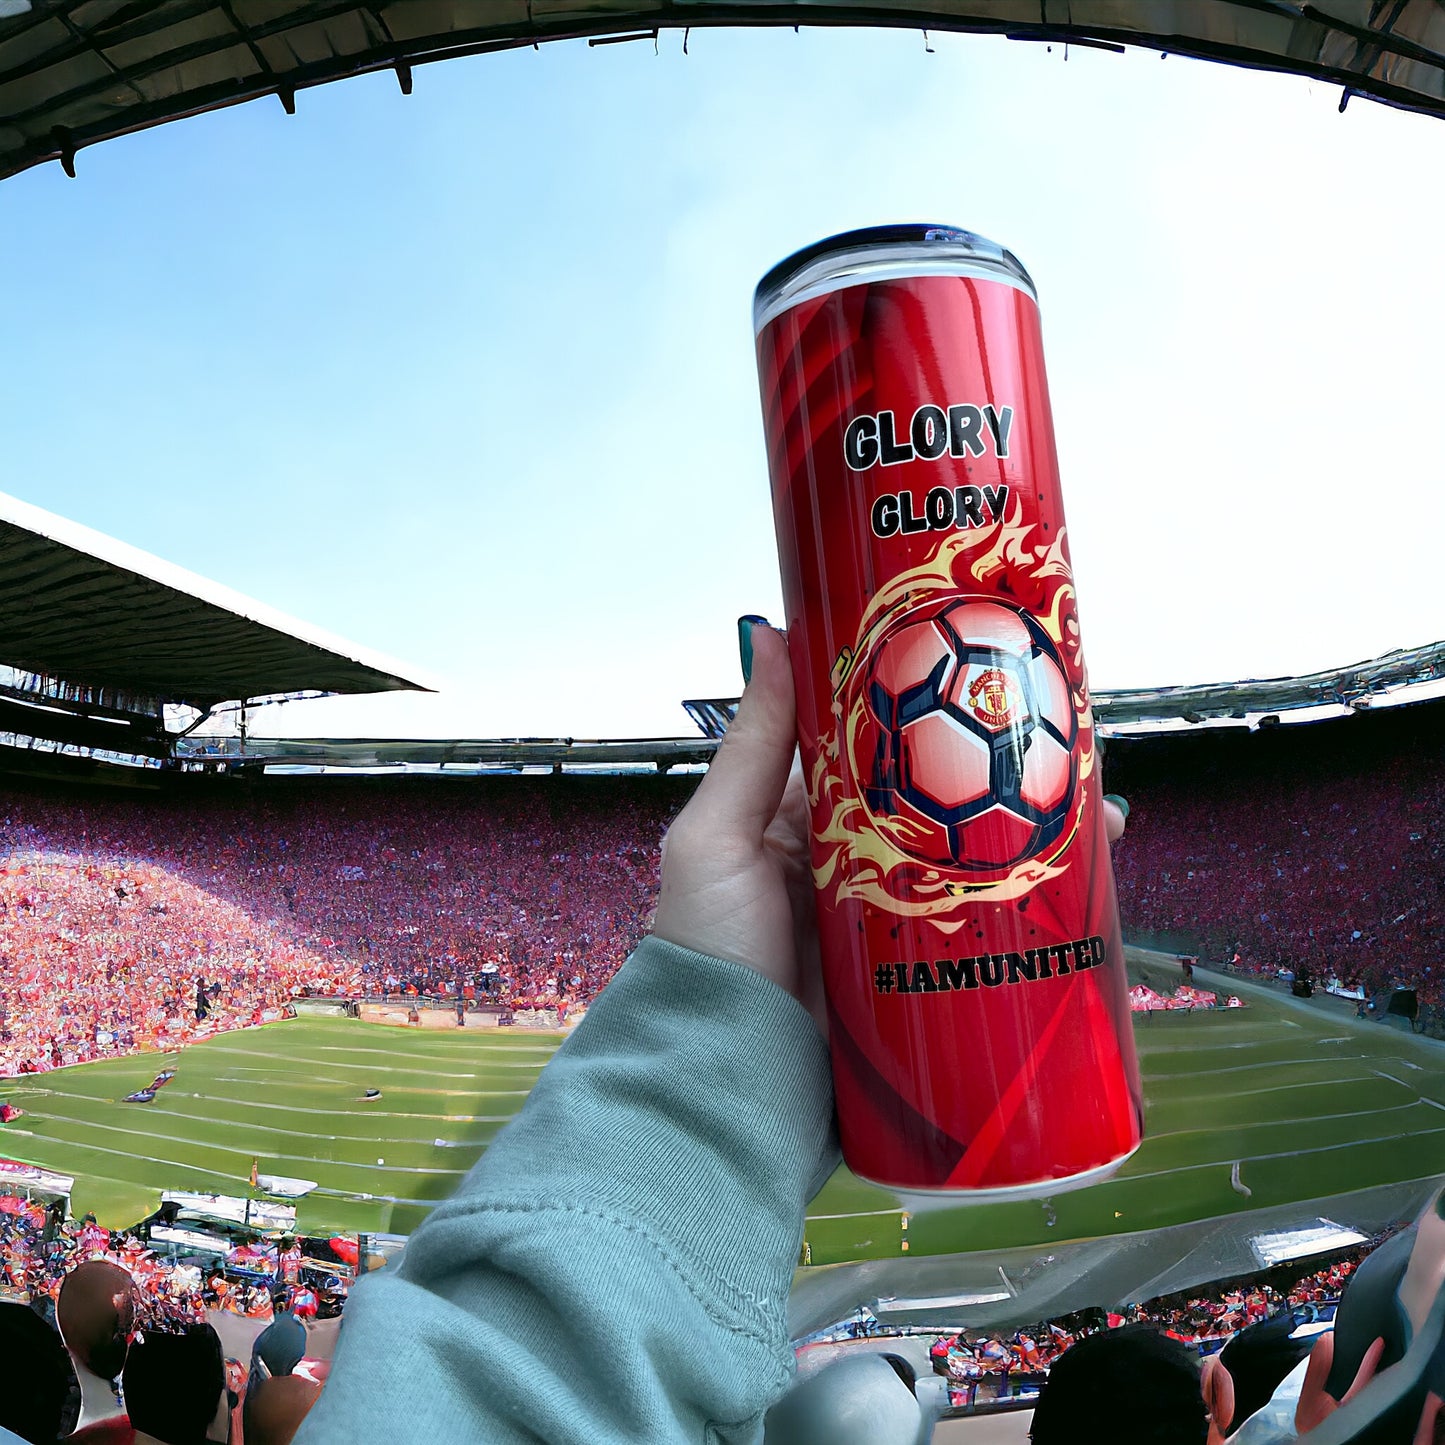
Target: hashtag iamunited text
(990, 970)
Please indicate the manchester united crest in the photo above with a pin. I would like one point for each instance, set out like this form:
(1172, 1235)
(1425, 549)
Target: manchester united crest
(994, 697)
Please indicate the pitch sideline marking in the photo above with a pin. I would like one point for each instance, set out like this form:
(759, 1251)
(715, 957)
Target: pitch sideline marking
(1251, 1067)
(1286, 1123)
(361, 1139)
(250, 1149)
(501, 1057)
(308, 1109)
(858, 1214)
(454, 1037)
(1280, 1154)
(393, 1068)
(297, 1158)
(370, 1114)
(1271, 1089)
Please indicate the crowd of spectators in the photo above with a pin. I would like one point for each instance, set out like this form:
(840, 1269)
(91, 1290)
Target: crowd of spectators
(1205, 1319)
(95, 1360)
(1208, 1317)
(42, 1257)
(140, 921)
(145, 921)
(1318, 848)
(168, 1294)
(38, 1250)
(1185, 998)
(106, 957)
(105, 1294)
(128, 1342)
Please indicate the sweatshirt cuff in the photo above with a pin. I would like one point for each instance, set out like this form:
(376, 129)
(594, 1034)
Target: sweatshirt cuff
(693, 1101)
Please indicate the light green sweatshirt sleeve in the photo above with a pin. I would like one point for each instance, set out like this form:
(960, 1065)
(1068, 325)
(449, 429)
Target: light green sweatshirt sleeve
(617, 1265)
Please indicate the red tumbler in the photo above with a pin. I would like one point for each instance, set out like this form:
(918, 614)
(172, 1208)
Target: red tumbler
(978, 1004)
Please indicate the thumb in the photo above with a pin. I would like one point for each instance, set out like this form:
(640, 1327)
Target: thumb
(1314, 1403)
(1218, 1396)
(743, 787)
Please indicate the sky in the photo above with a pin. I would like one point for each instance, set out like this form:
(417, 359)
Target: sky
(467, 377)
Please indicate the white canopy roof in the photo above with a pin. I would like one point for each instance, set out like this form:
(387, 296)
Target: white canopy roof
(77, 605)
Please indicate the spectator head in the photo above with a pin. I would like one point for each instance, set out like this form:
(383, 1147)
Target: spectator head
(858, 1400)
(275, 1409)
(282, 1344)
(1258, 1358)
(1138, 1374)
(34, 1376)
(96, 1313)
(175, 1386)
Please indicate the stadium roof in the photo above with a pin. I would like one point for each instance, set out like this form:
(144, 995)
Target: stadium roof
(1399, 676)
(1352, 686)
(73, 72)
(97, 613)
(461, 755)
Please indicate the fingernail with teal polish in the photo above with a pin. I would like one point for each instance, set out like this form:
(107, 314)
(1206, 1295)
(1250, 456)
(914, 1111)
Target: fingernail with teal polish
(1119, 801)
(745, 641)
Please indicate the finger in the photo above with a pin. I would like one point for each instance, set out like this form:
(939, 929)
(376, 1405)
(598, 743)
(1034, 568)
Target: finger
(1116, 816)
(1314, 1401)
(1429, 1422)
(1366, 1372)
(1218, 1386)
(744, 785)
(794, 807)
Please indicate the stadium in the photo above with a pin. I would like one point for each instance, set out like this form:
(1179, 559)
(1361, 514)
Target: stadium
(266, 1000)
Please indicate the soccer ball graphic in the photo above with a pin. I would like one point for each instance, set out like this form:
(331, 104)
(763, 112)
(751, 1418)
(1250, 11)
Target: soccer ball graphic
(967, 739)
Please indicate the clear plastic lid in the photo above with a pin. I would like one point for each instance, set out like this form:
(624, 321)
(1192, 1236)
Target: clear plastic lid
(880, 253)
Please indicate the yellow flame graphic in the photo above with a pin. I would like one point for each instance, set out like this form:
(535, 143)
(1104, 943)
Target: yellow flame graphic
(855, 857)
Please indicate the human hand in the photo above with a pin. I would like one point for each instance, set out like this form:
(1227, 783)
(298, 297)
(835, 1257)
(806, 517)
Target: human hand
(1315, 1402)
(1116, 816)
(1431, 1429)
(736, 880)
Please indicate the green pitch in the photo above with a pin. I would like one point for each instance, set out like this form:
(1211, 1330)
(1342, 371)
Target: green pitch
(289, 1096)
(1306, 1101)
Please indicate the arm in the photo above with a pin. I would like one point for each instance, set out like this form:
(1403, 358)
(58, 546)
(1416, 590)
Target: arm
(617, 1266)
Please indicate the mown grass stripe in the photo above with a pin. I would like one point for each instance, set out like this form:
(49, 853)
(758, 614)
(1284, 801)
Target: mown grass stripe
(1304, 1115)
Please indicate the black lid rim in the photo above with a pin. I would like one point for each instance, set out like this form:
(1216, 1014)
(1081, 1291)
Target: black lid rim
(908, 232)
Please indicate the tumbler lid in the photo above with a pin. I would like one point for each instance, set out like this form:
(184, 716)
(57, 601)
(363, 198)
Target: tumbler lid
(879, 253)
